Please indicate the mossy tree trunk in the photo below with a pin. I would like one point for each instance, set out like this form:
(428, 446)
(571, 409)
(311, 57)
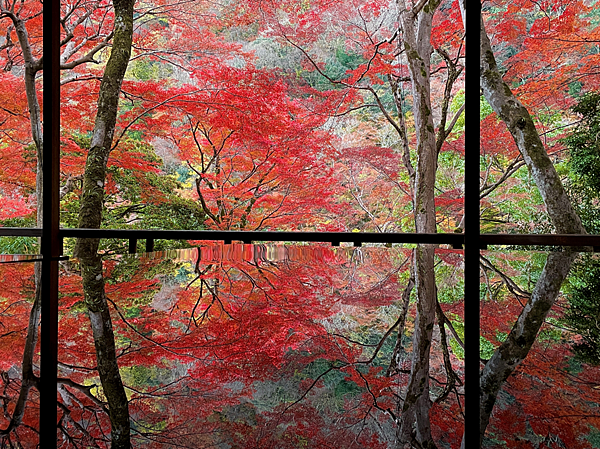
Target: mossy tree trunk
(32, 68)
(562, 214)
(524, 332)
(523, 130)
(90, 216)
(414, 427)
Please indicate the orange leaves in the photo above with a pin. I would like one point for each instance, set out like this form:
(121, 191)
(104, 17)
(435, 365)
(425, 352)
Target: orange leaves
(495, 138)
(72, 158)
(17, 154)
(126, 156)
(373, 187)
(512, 28)
(548, 44)
(448, 28)
(375, 71)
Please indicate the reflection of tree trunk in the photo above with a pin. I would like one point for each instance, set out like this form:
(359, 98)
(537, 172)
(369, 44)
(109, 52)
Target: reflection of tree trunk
(415, 426)
(90, 216)
(395, 362)
(104, 341)
(28, 378)
(523, 334)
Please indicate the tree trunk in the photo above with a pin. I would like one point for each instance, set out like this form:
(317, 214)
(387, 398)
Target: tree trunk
(415, 427)
(90, 216)
(524, 332)
(521, 126)
(32, 67)
(92, 200)
(564, 218)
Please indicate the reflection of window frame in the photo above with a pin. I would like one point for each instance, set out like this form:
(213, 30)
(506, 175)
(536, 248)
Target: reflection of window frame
(52, 236)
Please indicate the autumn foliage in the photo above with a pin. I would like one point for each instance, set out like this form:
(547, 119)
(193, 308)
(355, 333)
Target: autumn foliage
(292, 115)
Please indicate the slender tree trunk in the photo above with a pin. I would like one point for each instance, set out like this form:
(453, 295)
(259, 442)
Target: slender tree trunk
(396, 360)
(90, 216)
(32, 67)
(415, 427)
(564, 218)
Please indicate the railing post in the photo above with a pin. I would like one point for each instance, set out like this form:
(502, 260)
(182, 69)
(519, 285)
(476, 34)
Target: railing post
(132, 246)
(149, 245)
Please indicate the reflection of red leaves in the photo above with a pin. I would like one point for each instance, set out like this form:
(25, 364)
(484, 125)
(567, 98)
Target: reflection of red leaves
(264, 325)
(448, 421)
(16, 300)
(380, 294)
(451, 257)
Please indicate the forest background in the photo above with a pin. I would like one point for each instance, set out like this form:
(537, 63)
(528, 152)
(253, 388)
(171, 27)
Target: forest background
(309, 116)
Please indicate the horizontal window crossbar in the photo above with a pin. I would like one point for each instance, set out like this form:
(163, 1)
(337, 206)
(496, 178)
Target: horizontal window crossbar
(357, 238)
(541, 239)
(267, 236)
(20, 232)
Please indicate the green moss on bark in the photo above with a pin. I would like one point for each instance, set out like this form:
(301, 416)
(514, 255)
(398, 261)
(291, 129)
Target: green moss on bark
(90, 216)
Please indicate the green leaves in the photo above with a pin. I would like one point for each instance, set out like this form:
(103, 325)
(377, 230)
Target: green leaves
(583, 313)
(584, 143)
